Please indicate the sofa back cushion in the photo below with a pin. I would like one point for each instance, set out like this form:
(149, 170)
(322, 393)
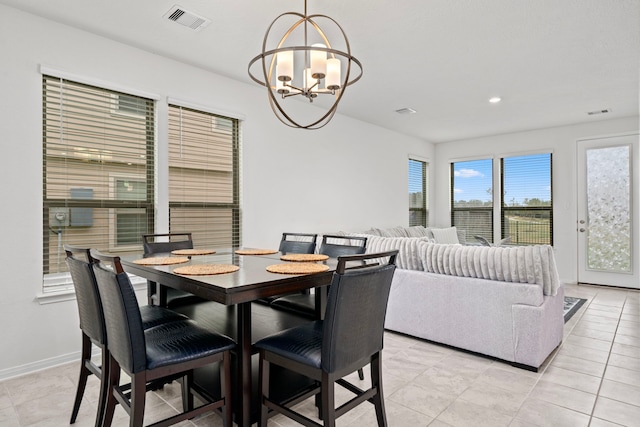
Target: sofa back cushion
(400, 231)
(522, 264)
(408, 251)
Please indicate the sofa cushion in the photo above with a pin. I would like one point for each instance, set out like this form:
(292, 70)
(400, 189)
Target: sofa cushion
(520, 264)
(445, 235)
(416, 231)
(388, 232)
(408, 251)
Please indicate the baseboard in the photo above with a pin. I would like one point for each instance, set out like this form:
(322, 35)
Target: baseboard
(40, 365)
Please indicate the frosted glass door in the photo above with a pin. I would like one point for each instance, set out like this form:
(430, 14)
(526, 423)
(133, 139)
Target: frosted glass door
(607, 217)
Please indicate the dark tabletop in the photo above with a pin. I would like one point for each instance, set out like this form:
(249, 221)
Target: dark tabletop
(249, 283)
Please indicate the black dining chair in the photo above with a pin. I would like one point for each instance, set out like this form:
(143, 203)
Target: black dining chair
(157, 293)
(349, 338)
(305, 304)
(332, 246)
(92, 325)
(294, 243)
(164, 351)
(298, 243)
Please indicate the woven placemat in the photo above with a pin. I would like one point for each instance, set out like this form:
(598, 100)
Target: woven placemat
(304, 257)
(167, 260)
(206, 269)
(297, 268)
(256, 251)
(189, 252)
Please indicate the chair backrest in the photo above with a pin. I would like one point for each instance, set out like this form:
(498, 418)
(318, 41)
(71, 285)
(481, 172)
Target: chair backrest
(353, 325)
(358, 245)
(298, 243)
(79, 261)
(121, 313)
(151, 246)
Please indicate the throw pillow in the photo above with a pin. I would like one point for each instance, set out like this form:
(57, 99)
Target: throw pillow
(445, 235)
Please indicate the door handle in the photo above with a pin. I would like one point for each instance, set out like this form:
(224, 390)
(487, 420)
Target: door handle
(582, 230)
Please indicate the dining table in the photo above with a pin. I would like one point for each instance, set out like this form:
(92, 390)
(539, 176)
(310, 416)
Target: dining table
(251, 282)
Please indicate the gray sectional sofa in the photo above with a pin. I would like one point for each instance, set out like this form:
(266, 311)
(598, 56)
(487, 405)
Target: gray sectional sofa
(503, 302)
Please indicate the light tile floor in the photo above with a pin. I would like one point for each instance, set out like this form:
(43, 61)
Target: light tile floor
(592, 379)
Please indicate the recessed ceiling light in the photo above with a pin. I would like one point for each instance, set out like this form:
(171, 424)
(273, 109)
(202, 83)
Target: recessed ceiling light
(406, 110)
(495, 99)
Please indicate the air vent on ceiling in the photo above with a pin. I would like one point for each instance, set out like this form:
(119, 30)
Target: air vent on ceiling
(188, 19)
(593, 113)
(406, 111)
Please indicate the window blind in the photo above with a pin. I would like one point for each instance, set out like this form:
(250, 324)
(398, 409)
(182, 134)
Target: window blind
(526, 209)
(472, 197)
(204, 177)
(98, 178)
(418, 195)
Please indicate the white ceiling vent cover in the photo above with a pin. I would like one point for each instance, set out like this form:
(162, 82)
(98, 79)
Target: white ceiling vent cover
(596, 112)
(406, 110)
(188, 19)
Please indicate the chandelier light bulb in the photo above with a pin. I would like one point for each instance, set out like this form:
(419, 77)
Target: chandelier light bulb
(332, 81)
(318, 60)
(284, 67)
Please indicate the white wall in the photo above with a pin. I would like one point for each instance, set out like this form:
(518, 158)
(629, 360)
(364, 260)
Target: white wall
(561, 141)
(347, 176)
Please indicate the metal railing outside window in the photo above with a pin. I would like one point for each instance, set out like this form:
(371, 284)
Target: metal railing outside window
(526, 209)
(472, 197)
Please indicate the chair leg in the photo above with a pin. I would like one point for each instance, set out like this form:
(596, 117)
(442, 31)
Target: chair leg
(361, 374)
(328, 409)
(225, 378)
(264, 390)
(151, 292)
(105, 372)
(82, 379)
(113, 381)
(187, 396)
(138, 395)
(376, 381)
(318, 400)
(161, 291)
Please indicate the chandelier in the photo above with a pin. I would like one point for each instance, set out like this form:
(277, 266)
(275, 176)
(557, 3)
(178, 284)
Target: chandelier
(303, 63)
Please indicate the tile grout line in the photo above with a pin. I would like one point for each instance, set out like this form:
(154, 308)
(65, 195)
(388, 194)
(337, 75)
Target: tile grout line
(606, 366)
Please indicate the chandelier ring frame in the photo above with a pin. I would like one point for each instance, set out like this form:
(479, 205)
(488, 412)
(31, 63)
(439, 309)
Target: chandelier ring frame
(267, 72)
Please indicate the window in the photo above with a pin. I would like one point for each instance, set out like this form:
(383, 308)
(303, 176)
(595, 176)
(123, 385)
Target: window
(472, 197)
(418, 201)
(524, 205)
(526, 211)
(204, 177)
(98, 177)
(125, 223)
(127, 105)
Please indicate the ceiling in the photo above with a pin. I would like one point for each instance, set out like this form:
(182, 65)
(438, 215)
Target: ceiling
(551, 61)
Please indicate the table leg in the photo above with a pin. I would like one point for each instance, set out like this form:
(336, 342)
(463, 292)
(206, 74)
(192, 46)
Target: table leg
(244, 364)
(321, 301)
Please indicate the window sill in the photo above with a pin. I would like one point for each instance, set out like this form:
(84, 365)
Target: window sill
(65, 291)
